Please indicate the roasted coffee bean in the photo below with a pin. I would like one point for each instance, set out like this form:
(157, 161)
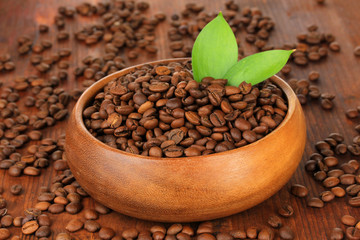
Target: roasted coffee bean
(286, 232)
(43, 231)
(73, 207)
(348, 220)
(252, 232)
(266, 234)
(315, 202)
(106, 233)
(327, 196)
(74, 225)
(331, 182)
(274, 221)
(174, 229)
(91, 226)
(205, 236)
(338, 191)
(44, 220)
(286, 210)
(90, 214)
(354, 202)
(101, 208)
(30, 227)
(16, 189)
(299, 190)
(130, 233)
(352, 233)
(4, 233)
(63, 236)
(56, 208)
(7, 220)
(337, 234)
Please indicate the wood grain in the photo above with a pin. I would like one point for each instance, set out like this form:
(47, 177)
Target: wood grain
(339, 75)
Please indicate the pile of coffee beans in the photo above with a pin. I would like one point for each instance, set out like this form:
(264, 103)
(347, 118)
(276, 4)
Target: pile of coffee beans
(161, 111)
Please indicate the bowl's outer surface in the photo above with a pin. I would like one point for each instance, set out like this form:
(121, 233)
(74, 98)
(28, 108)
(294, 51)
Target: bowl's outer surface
(185, 189)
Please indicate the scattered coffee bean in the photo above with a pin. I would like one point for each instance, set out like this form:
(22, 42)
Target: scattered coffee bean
(286, 232)
(299, 190)
(286, 210)
(16, 189)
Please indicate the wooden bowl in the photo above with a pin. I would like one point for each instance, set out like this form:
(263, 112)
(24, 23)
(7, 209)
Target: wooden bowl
(189, 188)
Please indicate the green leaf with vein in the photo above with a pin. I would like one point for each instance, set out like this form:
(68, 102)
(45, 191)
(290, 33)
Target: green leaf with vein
(215, 50)
(257, 67)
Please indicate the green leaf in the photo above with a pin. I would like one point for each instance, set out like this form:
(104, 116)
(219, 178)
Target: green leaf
(215, 50)
(257, 67)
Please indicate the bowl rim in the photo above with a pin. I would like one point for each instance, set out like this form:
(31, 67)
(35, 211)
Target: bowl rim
(87, 95)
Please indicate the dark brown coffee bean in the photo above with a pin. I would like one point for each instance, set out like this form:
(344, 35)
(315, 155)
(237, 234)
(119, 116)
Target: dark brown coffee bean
(43, 231)
(315, 202)
(7, 220)
(274, 221)
(91, 226)
(286, 232)
(130, 233)
(347, 179)
(56, 208)
(286, 210)
(327, 196)
(16, 189)
(174, 229)
(63, 236)
(44, 220)
(352, 233)
(73, 207)
(74, 225)
(331, 182)
(299, 190)
(354, 202)
(106, 233)
(252, 232)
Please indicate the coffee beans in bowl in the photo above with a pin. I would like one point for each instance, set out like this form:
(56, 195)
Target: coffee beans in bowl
(150, 142)
(161, 111)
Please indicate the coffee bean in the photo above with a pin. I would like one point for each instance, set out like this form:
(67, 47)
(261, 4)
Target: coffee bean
(158, 235)
(354, 202)
(16, 189)
(56, 208)
(101, 208)
(252, 232)
(29, 227)
(286, 210)
(90, 214)
(73, 207)
(43, 231)
(352, 113)
(266, 234)
(74, 225)
(205, 236)
(286, 232)
(6, 221)
(274, 221)
(299, 190)
(337, 234)
(331, 182)
(91, 226)
(174, 229)
(348, 220)
(315, 202)
(327, 196)
(44, 220)
(106, 233)
(4, 233)
(63, 236)
(205, 227)
(352, 233)
(130, 233)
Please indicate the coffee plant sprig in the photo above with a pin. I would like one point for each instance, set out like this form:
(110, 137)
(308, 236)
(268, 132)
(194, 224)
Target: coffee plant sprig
(215, 54)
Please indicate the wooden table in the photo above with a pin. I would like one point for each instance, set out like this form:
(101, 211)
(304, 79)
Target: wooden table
(339, 75)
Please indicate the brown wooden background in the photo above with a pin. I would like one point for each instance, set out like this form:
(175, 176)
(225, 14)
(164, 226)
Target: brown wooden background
(339, 74)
